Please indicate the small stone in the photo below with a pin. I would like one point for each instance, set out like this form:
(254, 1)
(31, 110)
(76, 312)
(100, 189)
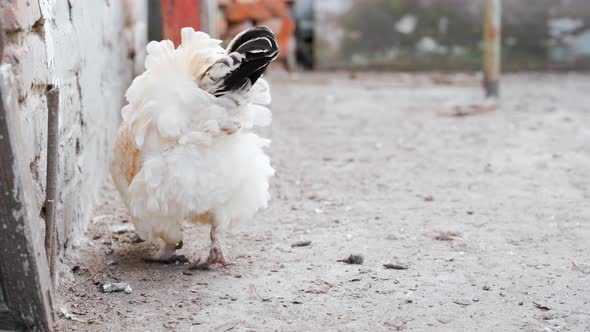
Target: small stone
(300, 244)
(391, 266)
(486, 288)
(120, 229)
(353, 259)
(541, 306)
(463, 302)
(116, 287)
(445, 236)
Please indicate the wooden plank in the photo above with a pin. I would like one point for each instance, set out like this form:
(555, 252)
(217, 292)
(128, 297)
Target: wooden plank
(24, 274)
(51, 191)
(177, 14)
(7, 322)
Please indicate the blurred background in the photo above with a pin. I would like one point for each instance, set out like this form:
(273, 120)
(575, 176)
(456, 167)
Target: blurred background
(439, 35)
(471, 213)
(402, 34)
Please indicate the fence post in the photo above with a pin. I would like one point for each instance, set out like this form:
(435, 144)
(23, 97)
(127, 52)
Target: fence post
(492, 47)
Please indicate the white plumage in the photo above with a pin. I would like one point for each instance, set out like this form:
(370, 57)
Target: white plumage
(186, 151)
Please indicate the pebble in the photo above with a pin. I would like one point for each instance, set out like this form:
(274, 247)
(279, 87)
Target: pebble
(116, 287)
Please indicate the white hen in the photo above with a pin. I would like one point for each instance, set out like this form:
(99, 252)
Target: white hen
(185, 150)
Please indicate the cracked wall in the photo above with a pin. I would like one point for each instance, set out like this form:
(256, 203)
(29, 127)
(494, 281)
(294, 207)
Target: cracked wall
(90, 50)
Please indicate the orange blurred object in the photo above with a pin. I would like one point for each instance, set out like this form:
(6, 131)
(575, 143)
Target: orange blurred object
(177, 14)
(241, 15)
(238, 16)
(285, 36)
(256, 11)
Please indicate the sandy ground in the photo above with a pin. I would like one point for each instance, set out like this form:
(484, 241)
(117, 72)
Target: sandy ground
(488, 215)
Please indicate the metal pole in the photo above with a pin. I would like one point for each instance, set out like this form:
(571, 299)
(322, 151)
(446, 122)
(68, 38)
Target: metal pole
(492, 52)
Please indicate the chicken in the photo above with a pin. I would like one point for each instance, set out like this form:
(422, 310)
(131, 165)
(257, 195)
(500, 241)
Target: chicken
(186, 150)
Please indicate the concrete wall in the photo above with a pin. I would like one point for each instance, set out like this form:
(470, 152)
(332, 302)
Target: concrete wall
(90, 50)
(446, 34)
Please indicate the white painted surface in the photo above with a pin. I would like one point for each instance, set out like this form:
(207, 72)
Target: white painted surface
(90, 50)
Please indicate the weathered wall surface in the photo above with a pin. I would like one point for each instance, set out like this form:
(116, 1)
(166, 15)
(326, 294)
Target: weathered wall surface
(437, 34)
(89, 49)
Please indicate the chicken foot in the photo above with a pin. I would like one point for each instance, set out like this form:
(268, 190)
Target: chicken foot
(167, 254)
(215, 252)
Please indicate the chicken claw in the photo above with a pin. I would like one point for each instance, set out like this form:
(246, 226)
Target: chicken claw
(215, 253)
(215, 257)
(167, 255)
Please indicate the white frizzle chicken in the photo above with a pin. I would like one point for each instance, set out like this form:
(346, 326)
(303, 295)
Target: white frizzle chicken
(185, 150)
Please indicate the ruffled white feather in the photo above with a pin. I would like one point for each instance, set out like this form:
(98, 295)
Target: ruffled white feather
(188, 166)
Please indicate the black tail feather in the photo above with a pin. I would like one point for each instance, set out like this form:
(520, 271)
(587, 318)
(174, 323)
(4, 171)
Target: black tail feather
(249, 54)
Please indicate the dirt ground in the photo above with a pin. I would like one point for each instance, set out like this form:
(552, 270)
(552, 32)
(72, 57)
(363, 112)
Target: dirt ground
(486, 214)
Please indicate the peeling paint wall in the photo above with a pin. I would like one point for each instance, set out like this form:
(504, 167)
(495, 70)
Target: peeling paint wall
(90, 50)
(447, 34)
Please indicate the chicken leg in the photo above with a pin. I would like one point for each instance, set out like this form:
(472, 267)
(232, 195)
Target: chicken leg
(215, 252)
